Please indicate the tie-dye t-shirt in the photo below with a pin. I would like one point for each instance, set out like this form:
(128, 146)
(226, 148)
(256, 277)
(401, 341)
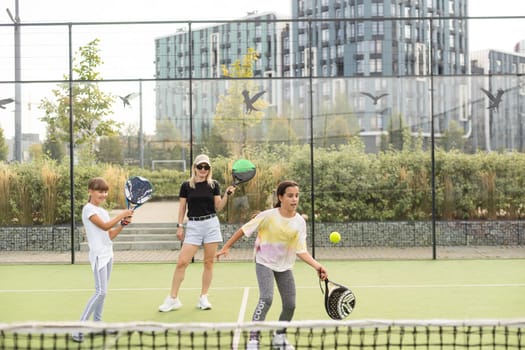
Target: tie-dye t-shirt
(279, 239)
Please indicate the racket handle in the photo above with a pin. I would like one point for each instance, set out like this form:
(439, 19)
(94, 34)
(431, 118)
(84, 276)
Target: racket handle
(230, 192)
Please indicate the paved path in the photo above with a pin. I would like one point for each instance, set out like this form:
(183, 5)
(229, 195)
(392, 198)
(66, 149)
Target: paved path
(156, 212)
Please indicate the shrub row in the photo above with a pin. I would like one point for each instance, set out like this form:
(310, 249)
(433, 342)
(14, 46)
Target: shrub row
(346, 185)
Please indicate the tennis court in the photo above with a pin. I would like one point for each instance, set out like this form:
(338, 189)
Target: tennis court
(421, 289)
(461, 291)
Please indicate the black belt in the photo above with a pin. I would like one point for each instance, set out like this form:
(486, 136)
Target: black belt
(201, 218)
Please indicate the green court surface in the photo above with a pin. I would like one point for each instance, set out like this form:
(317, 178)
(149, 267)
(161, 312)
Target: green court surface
(392, 290)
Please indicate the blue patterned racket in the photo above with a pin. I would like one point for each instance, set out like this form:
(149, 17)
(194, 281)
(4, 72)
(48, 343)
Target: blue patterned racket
(138, 190)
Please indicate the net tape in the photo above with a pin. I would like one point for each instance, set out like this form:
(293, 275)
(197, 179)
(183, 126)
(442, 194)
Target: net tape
(359, 334)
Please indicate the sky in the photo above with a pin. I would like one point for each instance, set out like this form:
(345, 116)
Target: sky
(495, 34)
(152, 10)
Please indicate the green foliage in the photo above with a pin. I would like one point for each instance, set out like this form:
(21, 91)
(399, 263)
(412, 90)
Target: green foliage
(90, 104)
(233, 123)
(110, 150)
(4, 150)
(347, 184)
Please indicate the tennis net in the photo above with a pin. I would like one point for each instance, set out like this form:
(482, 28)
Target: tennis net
(370, 334)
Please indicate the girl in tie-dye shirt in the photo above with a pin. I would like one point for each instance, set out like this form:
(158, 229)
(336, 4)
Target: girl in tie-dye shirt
(281, 236)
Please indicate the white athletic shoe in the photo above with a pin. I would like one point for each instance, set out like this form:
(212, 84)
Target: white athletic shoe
(204, 304)
(170, 304)
(279, 342)
(77, 337)
(253, 344)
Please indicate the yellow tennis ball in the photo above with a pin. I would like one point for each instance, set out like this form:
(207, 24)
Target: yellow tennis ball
(335, 237)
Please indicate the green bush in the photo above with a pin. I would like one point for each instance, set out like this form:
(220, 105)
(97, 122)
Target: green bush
(347, 184)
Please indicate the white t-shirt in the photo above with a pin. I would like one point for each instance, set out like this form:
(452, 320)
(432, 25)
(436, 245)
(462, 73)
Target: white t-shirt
(100, 245)
(279, 239)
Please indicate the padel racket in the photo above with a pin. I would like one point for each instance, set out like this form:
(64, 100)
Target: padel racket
(339, 301)
(138, 190)
(242, 171)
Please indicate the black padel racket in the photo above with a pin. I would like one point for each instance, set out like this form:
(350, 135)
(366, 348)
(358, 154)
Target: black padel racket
(242, 171)
(138, 190)
(339, 301)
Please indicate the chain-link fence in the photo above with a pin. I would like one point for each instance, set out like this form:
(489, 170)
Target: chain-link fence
(400, 135)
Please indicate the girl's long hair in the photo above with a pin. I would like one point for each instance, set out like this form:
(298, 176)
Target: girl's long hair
(281, 189)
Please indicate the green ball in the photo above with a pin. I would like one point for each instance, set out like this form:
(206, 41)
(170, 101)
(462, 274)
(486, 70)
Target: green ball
(335, 237)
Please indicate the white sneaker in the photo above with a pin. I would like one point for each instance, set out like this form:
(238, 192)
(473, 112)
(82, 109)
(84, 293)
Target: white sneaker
(204, 304)
(253, 344)
(170, 304)
(77, 337)
(279, 342)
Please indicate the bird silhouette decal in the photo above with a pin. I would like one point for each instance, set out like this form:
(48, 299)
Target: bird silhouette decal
(374, 98)
(5, 101)
(494, 100)
(127, 98)
(249, 101)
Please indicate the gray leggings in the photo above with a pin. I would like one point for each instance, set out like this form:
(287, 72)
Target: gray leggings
(285, 285)
(95, 304)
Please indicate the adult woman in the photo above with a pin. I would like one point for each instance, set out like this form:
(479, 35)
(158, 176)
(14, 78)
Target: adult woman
(201, 197)
(281, 236)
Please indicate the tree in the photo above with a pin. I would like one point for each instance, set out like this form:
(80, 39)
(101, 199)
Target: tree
(4, 150)
(90, 105)
(110, 150)
(399, 136)
(232, 120)
(453, 137)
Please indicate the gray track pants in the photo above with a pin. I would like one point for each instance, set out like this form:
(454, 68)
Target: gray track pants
(95, 304)
(286, 286)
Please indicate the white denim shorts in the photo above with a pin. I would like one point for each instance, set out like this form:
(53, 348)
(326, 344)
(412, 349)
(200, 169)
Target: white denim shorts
(202, 232)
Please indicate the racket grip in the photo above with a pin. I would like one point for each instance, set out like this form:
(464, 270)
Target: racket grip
(230, 192)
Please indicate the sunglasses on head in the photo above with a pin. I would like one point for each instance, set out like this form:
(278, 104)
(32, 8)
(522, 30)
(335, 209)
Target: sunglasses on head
(203, 166)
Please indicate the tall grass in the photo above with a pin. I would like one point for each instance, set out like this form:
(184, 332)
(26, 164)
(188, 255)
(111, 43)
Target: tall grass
(50, 181)
(116, 178)
(488, 184)
(6, 176)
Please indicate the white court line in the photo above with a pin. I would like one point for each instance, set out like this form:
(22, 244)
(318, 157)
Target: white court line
(463, 285)
(240, 318)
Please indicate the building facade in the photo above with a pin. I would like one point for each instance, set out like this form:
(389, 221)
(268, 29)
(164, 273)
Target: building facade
(348, 48)
(207, 51)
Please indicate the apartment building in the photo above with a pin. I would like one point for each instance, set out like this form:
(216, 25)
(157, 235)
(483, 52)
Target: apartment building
(346, 47)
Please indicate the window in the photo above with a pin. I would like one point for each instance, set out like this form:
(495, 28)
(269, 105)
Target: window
(377, 28)
(408, 31)
(376, 46)
(360, 47)
(302, 40)
(360, 29)
(360, 11)
(325, 35)
(325, 53)
(377, 9)
(376, 65)
(340, 50)
(359, 66)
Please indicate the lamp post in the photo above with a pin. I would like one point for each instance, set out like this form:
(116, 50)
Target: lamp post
(141, 131)
(18, 94)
